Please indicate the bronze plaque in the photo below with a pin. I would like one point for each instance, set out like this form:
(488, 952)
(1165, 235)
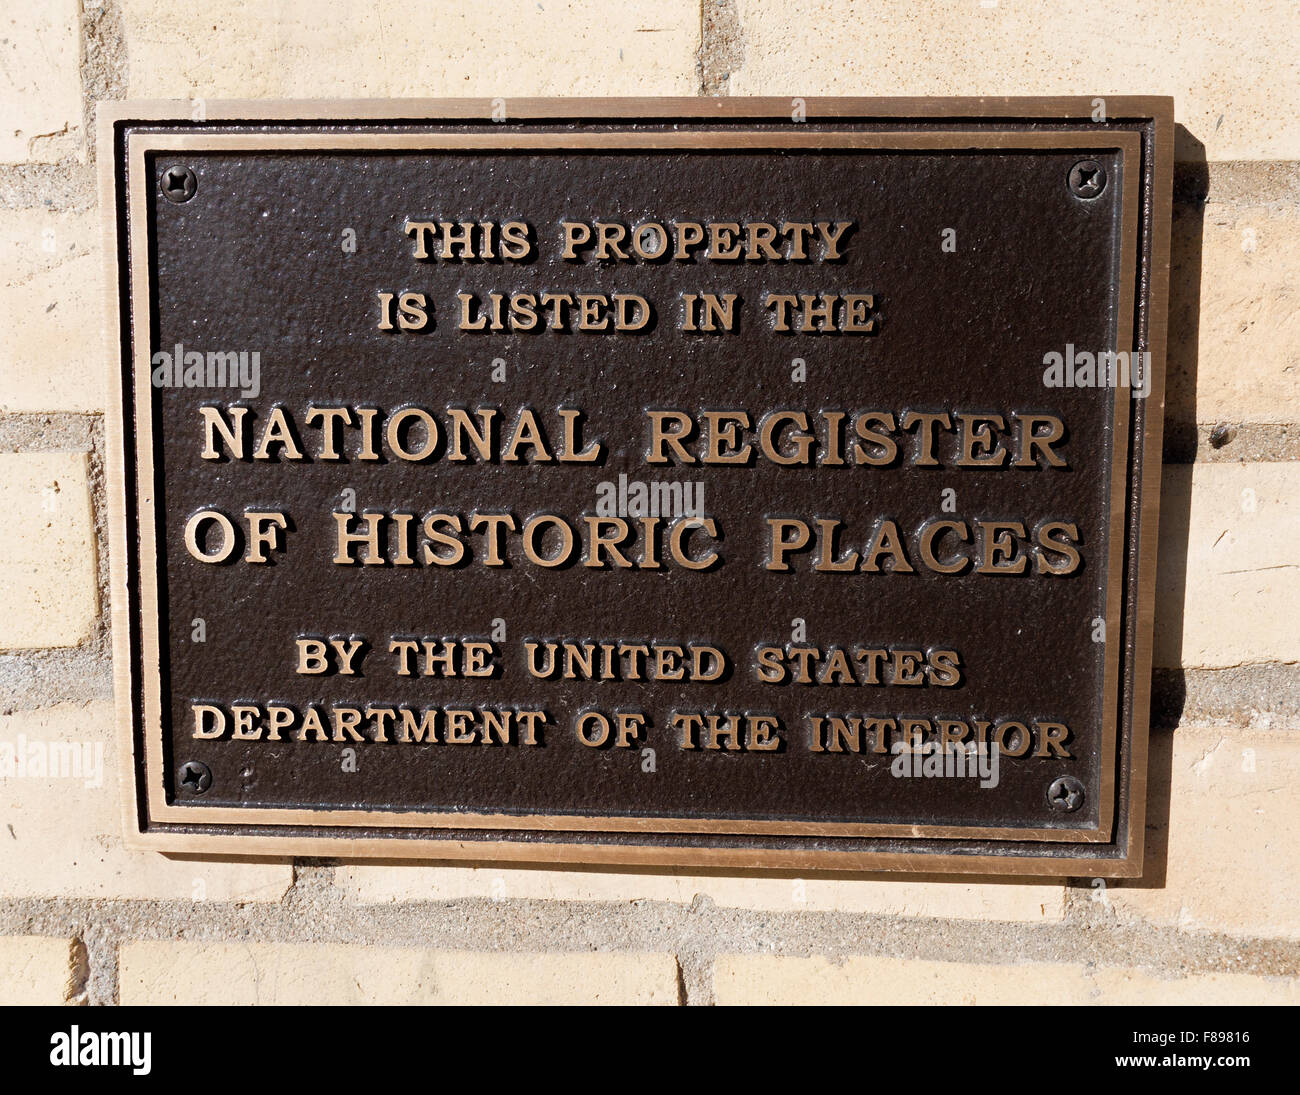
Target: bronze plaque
(740, 483)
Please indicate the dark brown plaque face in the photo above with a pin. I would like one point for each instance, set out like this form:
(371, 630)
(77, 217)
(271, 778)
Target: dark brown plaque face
(667, 482)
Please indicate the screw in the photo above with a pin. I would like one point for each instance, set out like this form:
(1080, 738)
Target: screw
(1065, 794)
(1221, 435)
(1087, 179)
(195, 777)
(179, 184)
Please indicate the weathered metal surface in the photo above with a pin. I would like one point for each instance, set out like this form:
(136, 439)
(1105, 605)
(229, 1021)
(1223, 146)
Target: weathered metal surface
(987, 581)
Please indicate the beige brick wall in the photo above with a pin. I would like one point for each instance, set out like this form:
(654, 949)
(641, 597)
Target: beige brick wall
(956, 898)
(761, 979)
(1226, 854)
(51, 312)
(38, 970)
(1227, 585)
(381, 48)
(1196, 52)
(40, 82)
(62, 801)
(48, 593)
(1234, 333)
(284, 974)
(83, 918)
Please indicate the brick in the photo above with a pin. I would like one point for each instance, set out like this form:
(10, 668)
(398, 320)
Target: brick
(48, 591)
(1117, 986)
(958, 899)
(769, 979)
(37, 970)
(1225, 859)
(306, 48)
(310, 974)
(51, 310)
(1227, 583)
(40, 81)
(1234, 314)
(61, 834)
(1240, 111)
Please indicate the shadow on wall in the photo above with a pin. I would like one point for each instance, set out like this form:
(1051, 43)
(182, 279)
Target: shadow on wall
(1191, 188)
(1169, 686)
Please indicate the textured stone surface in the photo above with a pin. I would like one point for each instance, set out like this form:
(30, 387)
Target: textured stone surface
(1228, 579)
(61, 834)
(48, 595)
(764, 979)
(260, 973)
(40, 81)
(307, 49)
(1234, 315)
(1226, 860)
(52, 354)
(1235, 83)
(37, 970)
(958, 899)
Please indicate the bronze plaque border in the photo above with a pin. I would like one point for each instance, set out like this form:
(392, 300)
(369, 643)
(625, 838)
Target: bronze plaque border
(154, 824)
